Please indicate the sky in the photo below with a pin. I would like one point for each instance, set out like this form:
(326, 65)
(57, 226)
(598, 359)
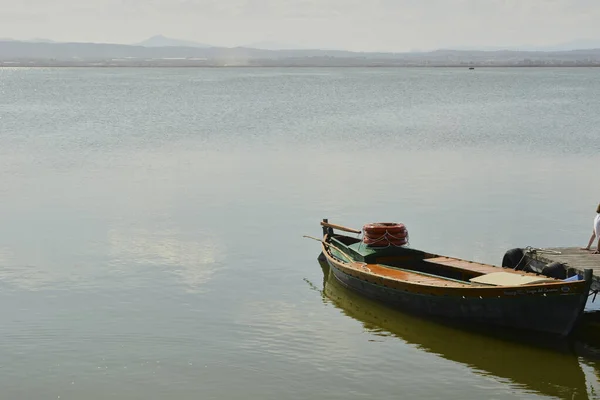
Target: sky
(358, 25)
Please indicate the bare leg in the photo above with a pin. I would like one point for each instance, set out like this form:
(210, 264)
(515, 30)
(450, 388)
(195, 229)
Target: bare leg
(590, 242)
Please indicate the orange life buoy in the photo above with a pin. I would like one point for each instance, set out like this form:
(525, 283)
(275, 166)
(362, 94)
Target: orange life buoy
(384, 242)
(382, 228)
(384, 234)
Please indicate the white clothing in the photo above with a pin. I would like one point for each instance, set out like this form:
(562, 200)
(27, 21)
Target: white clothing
(597, 225)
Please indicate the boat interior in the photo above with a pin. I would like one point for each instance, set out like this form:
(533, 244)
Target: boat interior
(405, 263)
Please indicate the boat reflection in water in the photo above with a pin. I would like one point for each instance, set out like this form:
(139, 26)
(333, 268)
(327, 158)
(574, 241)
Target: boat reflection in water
(550, 368)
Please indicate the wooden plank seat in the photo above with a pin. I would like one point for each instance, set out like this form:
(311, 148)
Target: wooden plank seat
(463, 265)
(503, 278)
(411, 276)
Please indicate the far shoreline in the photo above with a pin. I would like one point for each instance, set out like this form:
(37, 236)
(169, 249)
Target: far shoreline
(167, 65)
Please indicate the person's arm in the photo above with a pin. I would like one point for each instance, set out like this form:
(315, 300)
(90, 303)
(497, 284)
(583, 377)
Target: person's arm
(591, 241)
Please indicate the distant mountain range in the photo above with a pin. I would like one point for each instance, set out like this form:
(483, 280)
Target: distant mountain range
(582, 44)
(163, 41)
(36, 40)
(162, 51)
(267, 45)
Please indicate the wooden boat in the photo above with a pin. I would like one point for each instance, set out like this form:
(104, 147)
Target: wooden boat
(548, 368)
(453, 288)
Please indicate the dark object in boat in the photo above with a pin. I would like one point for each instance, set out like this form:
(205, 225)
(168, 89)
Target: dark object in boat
(514, 259)
(555, 270)
(517, 259)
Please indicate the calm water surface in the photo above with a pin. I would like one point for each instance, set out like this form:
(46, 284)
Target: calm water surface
(151, 226)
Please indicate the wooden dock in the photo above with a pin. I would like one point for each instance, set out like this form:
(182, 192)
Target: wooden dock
(571, 257)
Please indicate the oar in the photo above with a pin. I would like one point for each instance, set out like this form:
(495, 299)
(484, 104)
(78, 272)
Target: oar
(339, 227)
(331, 246)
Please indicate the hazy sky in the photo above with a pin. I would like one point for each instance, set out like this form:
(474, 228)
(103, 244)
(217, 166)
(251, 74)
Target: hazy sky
(387, 25)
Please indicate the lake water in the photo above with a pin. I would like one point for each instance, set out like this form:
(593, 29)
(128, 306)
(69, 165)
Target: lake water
(151, 226)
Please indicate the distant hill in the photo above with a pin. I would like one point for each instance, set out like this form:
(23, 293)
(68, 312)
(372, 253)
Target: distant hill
(581, 44)
(578, 44)
(41, 40)
(163, 41)
(35, 40)
(266, 45)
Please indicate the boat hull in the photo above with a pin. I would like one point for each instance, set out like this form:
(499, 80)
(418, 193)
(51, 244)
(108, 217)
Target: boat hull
(553, 314)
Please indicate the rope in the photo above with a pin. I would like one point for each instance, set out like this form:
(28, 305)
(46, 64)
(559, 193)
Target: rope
(397, 238)
(527, 264)
(533, 251)
(541, 250)
(331, 247)
(386, 236)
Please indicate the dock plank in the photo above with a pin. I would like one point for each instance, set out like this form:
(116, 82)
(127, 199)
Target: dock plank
(573, 257)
